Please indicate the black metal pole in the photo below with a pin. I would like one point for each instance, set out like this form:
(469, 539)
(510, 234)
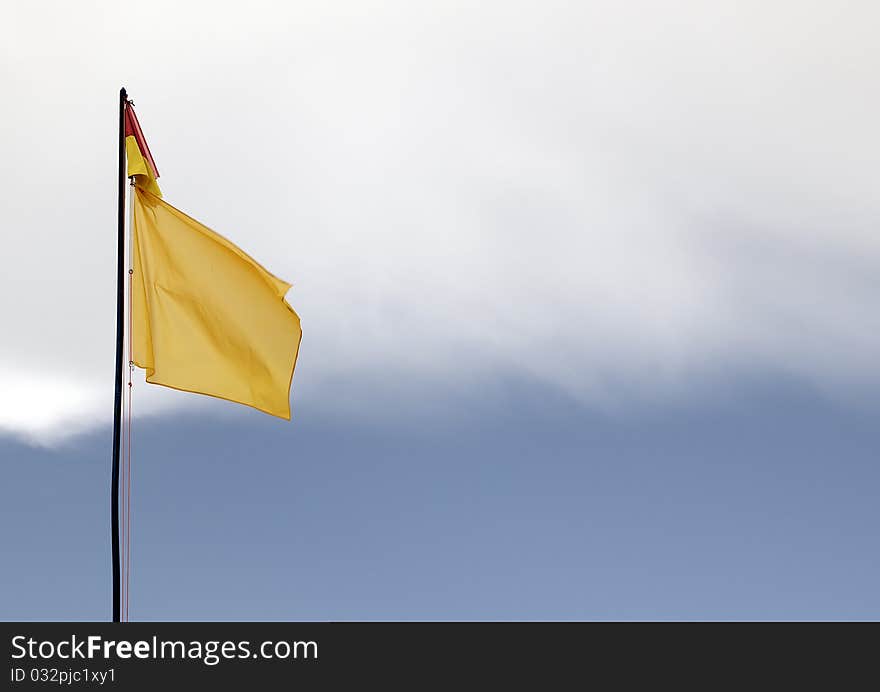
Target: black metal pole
(120, 329)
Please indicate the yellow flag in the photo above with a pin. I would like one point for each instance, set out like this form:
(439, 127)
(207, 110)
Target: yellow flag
(206, 317)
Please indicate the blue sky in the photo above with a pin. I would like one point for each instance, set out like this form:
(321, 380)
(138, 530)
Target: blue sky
(755, 502)
(588, 295)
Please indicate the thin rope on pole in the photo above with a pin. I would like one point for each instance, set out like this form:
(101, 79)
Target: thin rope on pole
(128, 502)
(128, 435)
(123, 537)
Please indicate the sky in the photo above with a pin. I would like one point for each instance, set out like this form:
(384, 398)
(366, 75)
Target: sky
(588, 295)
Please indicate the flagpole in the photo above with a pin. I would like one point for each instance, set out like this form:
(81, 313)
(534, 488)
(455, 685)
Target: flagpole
(120, 329)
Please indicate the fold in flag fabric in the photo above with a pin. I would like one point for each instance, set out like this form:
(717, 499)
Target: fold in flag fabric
(140, 161)
(207, 318)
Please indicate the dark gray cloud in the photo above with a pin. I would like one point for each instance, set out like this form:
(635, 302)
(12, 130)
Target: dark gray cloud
(756, 504)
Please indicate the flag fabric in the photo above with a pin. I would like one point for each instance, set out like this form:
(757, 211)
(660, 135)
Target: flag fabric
(141, 165)
(206, 317)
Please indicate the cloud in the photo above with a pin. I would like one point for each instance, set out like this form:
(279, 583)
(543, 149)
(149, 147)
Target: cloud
(615, 198)
(33, 405)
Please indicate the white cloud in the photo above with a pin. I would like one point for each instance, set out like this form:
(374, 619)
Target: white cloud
(612, 197)
(35, 407)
